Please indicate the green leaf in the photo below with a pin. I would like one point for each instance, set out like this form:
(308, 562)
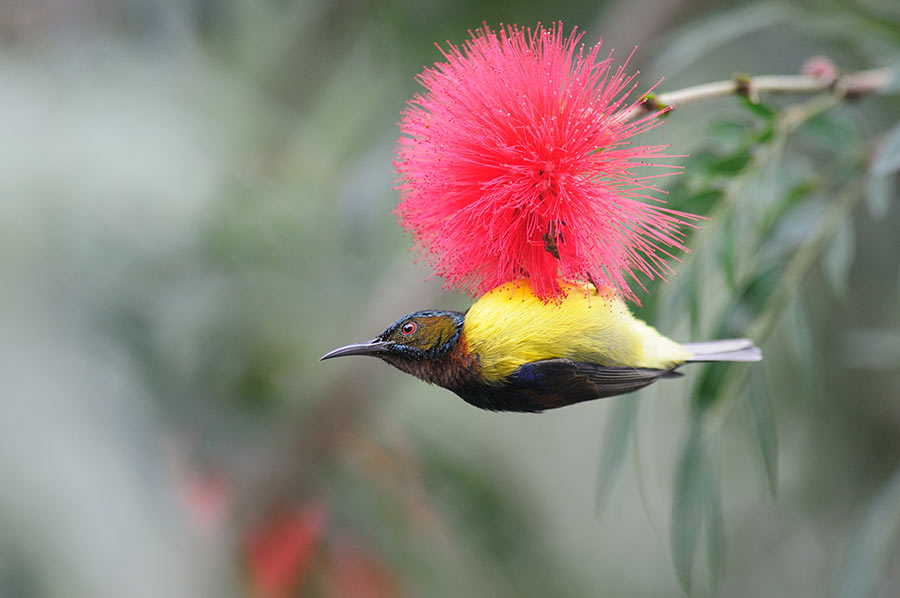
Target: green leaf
(765, 136)
(728, 250)
(759, 109)
(731, 165)
(794, 195)
(880, 192)
(687, 507)
(832, 131)
(787, 234)
(695, 305)
(699, 165)
(760, 287)
(729, 132)
(802, 345)
(676, 297)
(763, 412)
(715, 534)
(837, 259)
(706, 393)
(887, 158)
(697, 510)
(699, 157)
(873, 546)
(703, 201)
(618, 431)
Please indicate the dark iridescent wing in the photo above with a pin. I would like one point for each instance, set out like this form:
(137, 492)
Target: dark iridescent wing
(555, 383)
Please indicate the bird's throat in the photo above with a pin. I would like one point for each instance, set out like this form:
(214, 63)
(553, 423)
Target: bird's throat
(452, 369)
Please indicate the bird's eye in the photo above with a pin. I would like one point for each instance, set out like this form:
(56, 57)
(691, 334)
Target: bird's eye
(408, 328)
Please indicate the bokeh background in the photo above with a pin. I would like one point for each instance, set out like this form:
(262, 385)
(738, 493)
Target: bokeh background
(195, 205)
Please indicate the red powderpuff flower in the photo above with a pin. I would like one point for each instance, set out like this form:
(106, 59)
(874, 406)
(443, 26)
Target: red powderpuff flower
(516, 161)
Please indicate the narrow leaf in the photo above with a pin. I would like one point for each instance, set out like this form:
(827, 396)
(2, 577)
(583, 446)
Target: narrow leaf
(880, 192)
(700, 160)
(759, 288)
(619, 430)
(887, 157)
(838, 258)
(706, 393)
(687, 507)
(765, 136)
(704, 201)
(761, 110)
(676, 296)
(728, 250)
(695, 306)
(730, 133)
(794, 195)
(802, 345)
(731, 165)
(763, 412)
(715, 534)
(830, 130)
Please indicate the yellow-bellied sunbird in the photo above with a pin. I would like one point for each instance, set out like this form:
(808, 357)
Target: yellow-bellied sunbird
(513, 352)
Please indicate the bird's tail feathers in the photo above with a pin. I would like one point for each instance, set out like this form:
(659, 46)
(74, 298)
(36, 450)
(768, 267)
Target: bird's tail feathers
(734, 349)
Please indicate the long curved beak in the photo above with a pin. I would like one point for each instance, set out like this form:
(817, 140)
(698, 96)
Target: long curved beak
(373, 347)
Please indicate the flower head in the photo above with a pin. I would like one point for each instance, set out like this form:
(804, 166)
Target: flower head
(516, 160)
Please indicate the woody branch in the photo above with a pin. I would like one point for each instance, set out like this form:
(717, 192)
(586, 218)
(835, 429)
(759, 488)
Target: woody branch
(845, 86)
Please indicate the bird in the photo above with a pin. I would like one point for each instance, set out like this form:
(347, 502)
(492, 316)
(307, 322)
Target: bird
(512, 351)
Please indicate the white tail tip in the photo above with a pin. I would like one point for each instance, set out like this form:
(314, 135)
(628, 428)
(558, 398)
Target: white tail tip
(734, 349)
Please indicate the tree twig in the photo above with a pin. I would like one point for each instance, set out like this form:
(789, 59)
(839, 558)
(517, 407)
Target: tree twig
(849, 85)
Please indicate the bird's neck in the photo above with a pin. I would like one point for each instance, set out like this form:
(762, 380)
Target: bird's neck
(451, 366)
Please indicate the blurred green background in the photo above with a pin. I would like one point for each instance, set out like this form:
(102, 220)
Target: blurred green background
(195, 205)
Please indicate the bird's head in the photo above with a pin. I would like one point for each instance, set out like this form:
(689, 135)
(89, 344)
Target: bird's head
(417, 344)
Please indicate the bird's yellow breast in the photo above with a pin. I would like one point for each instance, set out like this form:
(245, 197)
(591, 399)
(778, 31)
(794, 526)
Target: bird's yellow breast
(510, 326)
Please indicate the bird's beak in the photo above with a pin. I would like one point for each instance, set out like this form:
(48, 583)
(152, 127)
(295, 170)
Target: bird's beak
(373, 347)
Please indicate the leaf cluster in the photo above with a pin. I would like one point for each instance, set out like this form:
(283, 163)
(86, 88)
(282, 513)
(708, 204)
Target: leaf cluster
(778, 185)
